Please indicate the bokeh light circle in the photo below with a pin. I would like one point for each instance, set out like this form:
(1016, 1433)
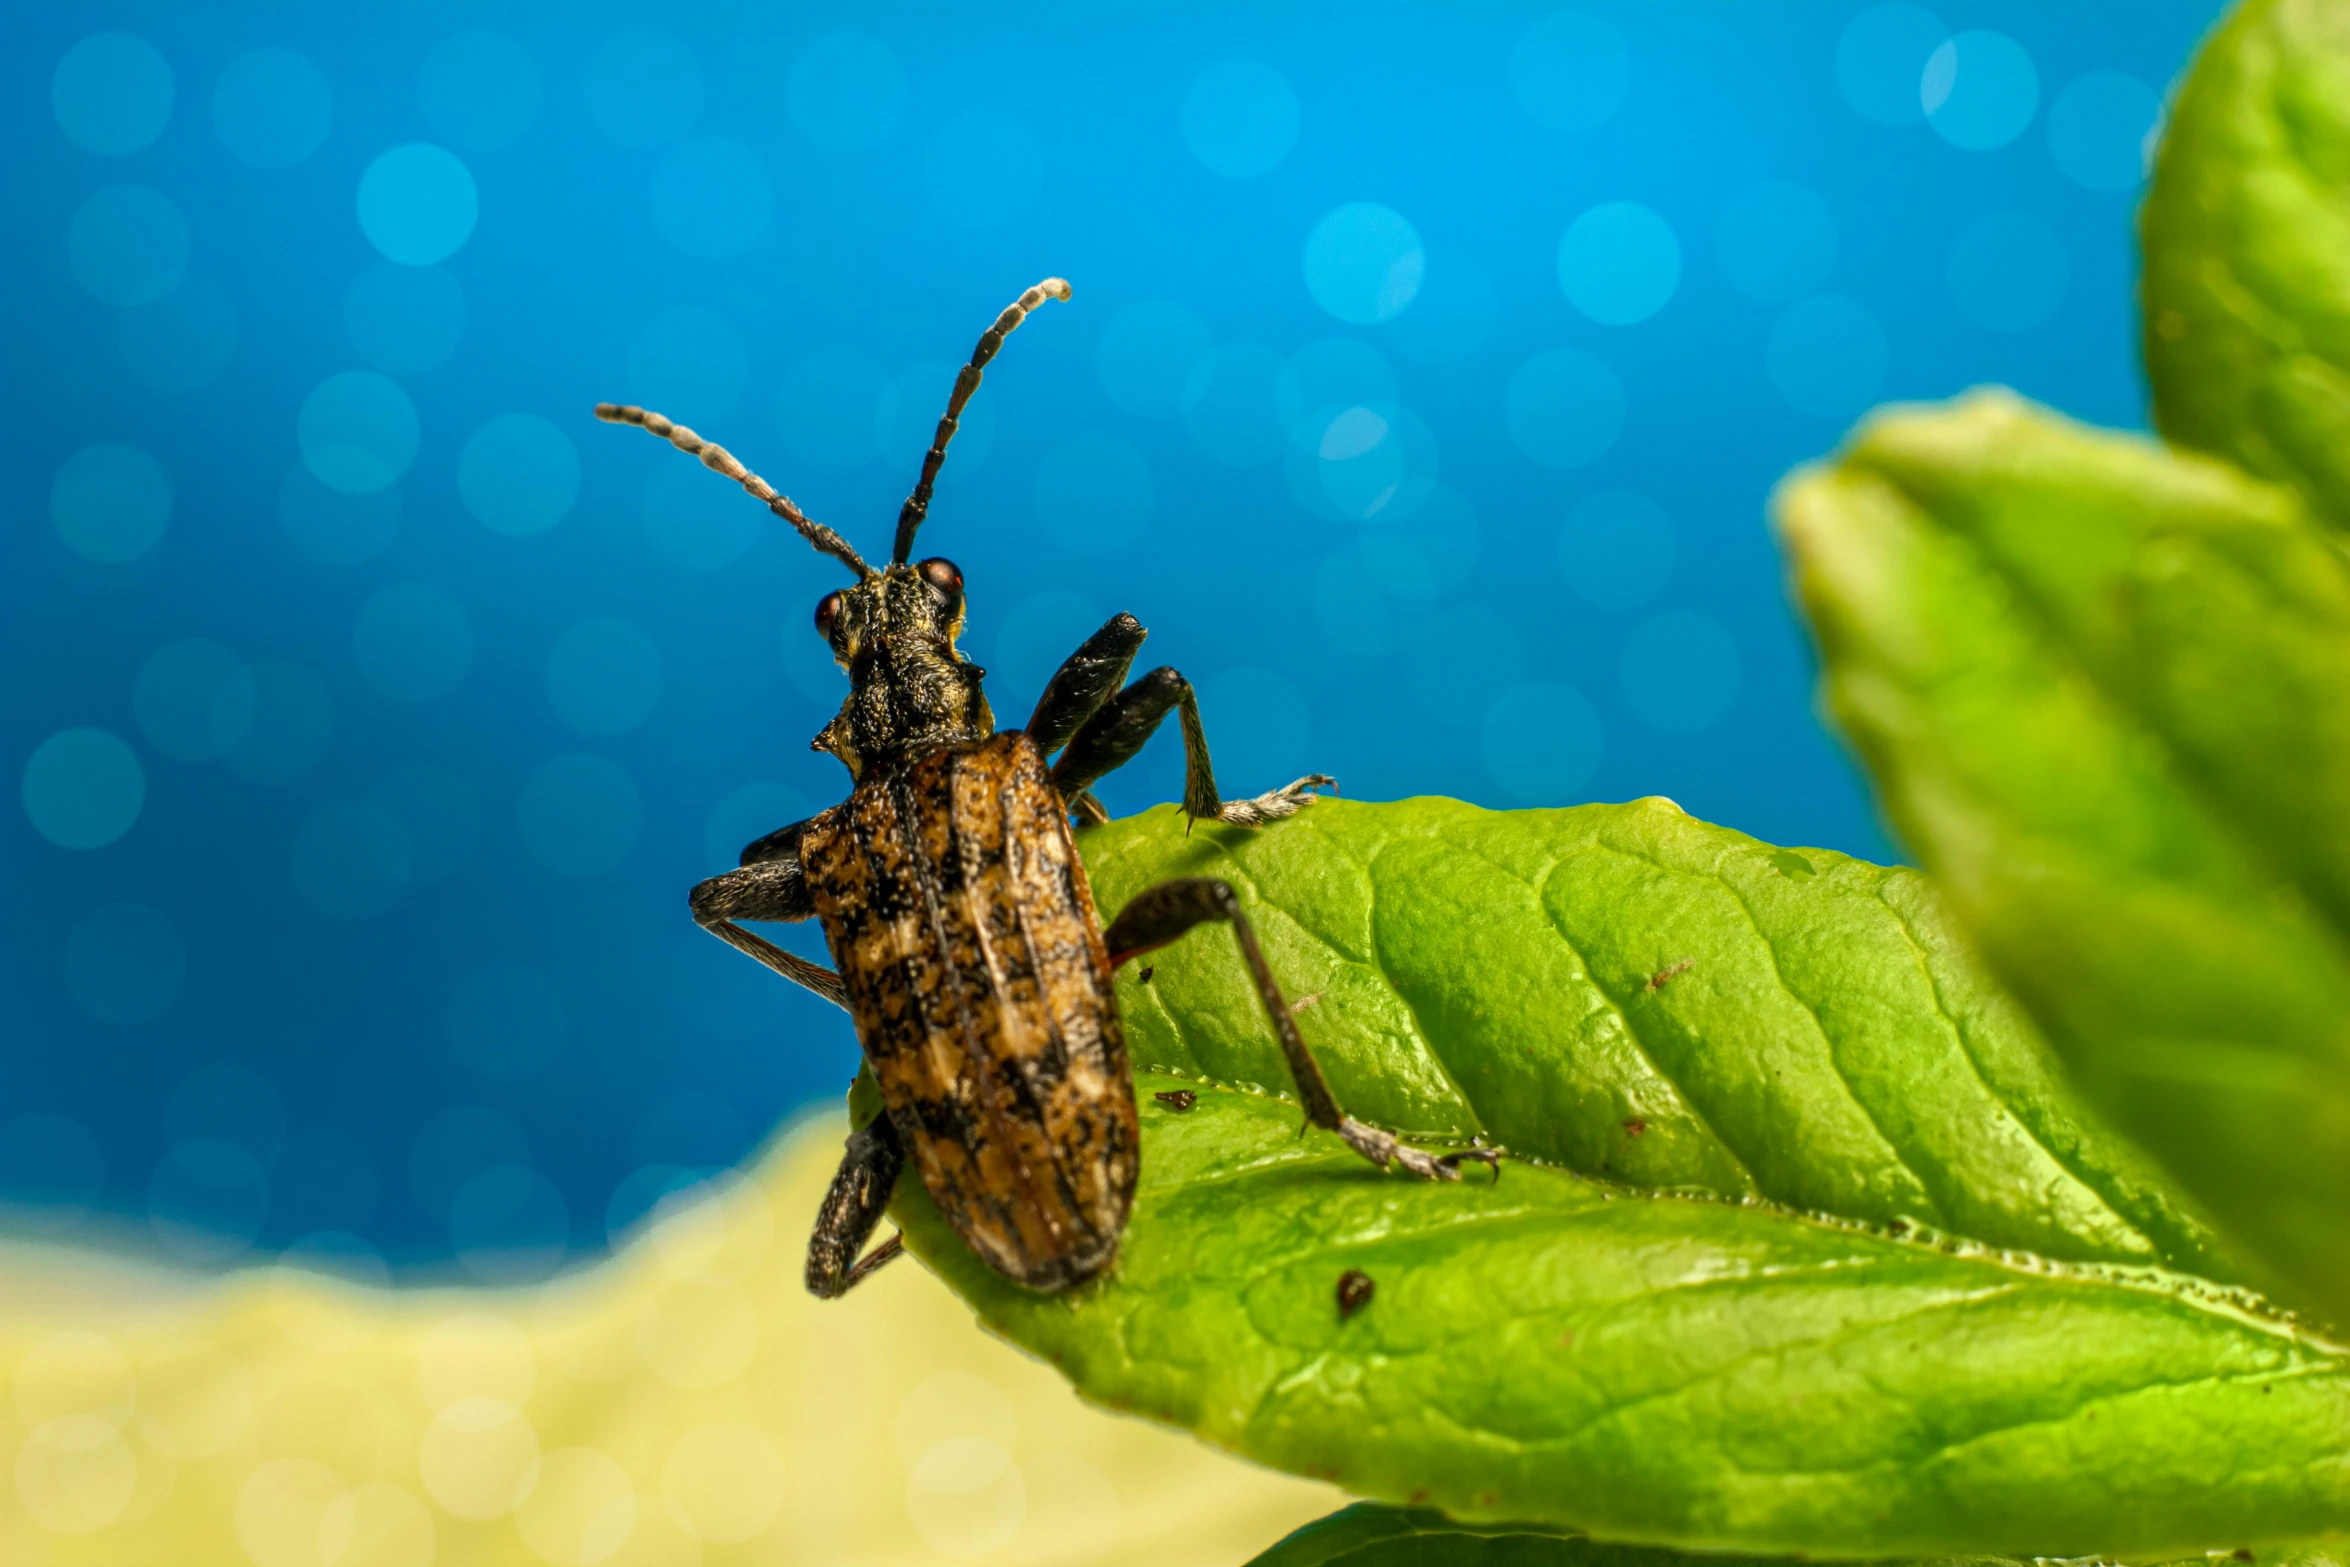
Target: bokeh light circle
(110, 503)
(457, 1145)
(1363, 262)
(713, 197)
(83, 788)
(111, 93)
(1234, 416)
(1680, 671)
(1827, 356)
(352, 859)
(1881, 58)
(724, 1481)
(604, 676)
(644, 90)
(1980, 89)
(2100, 128)
(358, 432)
(417, 204)
(688, 362)
(127, 245)
(1775, 241)
(1149, 355)
(331, 527)
(580, 814)
(1616, 548)
(2007, 272)
(1093, 492)
(272, 108)
(1564, 408)
(1240, 118)
(1328, 373)
(1364, 463)
(51, 1171)
(1619, 263)
(828, 408)
(183, 341)
(1542, 742)
(413, 641)
(844, 91)
(326, 1180)
(478, 90)
(404, 320)
(125, 963)
(518, 474)
(1571, 71)
(984, 168)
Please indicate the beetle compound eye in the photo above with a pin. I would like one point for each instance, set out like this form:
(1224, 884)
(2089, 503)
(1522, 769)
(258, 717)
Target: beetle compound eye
(827, 615)
(943, 575)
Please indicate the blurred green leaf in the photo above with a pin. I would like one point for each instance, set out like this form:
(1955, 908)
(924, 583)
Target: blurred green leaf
(1369, 1535)
(2247, 240)
(2103, 690)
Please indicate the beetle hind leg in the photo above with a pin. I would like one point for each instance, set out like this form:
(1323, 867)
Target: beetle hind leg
(1160, 914)
(1119, 727)
(852, 1207)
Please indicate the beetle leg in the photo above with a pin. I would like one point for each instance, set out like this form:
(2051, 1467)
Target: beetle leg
(1110, 738)
(768, 886)
(852, 1207)
(1084, 682)
(1159, 914)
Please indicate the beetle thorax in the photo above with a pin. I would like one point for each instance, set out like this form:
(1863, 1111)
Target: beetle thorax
(910, 691)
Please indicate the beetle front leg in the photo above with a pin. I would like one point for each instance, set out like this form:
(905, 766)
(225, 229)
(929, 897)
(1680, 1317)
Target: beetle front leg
(1159, 914)
(852, 1207)
(1110, 738)
(768, 886)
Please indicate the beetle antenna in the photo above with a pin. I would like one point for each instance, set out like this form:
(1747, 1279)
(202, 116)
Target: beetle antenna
(917, 504)
(719, 460)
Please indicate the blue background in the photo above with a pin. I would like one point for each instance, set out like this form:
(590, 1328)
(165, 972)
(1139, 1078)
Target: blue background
(1427, 373)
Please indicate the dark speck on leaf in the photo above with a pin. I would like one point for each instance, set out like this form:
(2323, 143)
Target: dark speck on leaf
(1664, 976)
(2241, 1554)
(1899, 1227)
(1145, 975)
(1634, 1127)
(1354, 1292)
(1177, 1099)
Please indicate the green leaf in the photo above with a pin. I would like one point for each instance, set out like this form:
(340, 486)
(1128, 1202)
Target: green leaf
(1673, 1370)
(1671, 1353)
(2247, 242)
(1628, 992)
(1369, 1535)
(2103, 690)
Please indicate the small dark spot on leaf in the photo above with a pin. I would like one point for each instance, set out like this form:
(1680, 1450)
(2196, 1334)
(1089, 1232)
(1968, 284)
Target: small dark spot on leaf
(1419, 1496)
(1791, 865)
(2241, 1554)
(1354, 1292)
(1899, 1227)
(1303, 1002)
(1635, 1126)
(1567, 1339)
(1663, 976)
(1145, 976)
(1177, 1099)
(2264, 1387)
(1489, 1499)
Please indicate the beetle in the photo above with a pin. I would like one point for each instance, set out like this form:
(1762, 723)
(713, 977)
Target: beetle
(962, 929)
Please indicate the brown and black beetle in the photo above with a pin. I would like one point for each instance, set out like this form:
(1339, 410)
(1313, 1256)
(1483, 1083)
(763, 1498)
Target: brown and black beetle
(962, 929)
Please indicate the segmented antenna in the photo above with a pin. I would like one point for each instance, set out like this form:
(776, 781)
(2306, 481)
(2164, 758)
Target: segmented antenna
(719, 460)
(917, 504)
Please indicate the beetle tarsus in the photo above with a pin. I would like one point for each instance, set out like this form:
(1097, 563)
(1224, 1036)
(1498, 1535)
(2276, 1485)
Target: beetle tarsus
(1275, 804)
(1384, 1149)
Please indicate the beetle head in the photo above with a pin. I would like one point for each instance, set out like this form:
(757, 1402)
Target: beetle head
(909, 689)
